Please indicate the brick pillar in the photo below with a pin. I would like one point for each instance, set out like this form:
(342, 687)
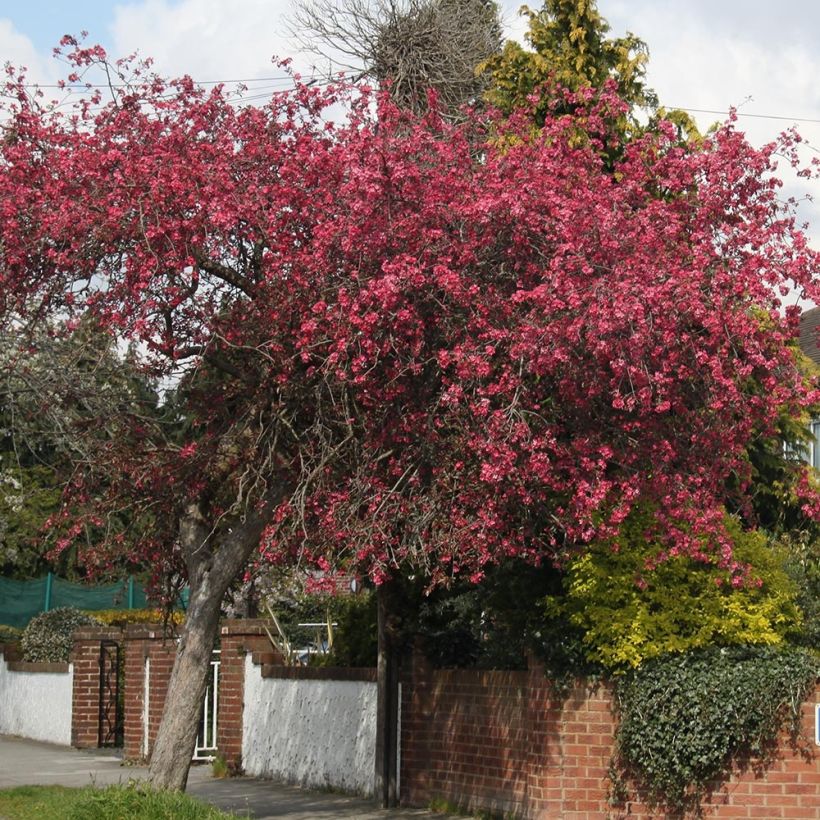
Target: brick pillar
(149, 658)
(161, 651)
(237, 638)
(85, 709)
(135, 655)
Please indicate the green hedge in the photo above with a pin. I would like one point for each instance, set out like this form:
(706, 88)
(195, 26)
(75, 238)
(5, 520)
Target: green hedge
(48, 637)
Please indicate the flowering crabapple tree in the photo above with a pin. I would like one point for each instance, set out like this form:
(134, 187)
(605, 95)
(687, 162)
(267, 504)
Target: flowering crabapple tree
(396, 344)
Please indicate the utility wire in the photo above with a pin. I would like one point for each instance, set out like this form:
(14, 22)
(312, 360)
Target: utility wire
(741, 114)
(287, 79)
(80, 86)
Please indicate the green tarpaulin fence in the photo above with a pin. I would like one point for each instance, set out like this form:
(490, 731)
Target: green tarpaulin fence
(20, 601)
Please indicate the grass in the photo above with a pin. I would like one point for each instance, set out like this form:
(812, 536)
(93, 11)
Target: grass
(132, 802)
(219, 767)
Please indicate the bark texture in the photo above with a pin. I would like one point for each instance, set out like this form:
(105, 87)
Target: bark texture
(211, 568)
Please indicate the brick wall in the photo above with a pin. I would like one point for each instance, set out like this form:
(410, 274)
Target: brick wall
(237, 637)
(464, 737)
(500, 741)
(497, 741)
(149, 645)
(85, 711)
(145, 646)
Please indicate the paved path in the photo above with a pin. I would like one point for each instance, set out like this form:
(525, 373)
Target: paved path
(29, 762)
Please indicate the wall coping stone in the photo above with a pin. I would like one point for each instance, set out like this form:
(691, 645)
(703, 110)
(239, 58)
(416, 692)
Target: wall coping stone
(151, 632)
(97, 633)
(327, 673)
(243, 626)
(11, 651)
(53, 667)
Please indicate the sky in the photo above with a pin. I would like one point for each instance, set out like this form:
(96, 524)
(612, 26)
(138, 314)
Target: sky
(705, 55)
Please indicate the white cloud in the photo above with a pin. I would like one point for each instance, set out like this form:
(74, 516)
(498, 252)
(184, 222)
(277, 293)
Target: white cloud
(713, 59)
(18, 50)
(208, 39)
(214, 39)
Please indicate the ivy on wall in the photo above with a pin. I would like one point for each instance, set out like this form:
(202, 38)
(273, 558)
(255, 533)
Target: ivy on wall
(685, 720)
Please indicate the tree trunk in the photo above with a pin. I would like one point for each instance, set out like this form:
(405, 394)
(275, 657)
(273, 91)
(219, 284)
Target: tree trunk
(387, 700)
(176, 738)
(211, 568)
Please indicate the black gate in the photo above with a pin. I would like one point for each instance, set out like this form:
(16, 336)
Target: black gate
(111, 723)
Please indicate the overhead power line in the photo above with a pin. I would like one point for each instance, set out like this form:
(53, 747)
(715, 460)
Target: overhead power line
(286, 79)
(741, 114)
(80, 86)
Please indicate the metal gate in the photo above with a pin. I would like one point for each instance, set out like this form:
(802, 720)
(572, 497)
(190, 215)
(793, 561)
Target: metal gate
(205, 748)
(110, 722)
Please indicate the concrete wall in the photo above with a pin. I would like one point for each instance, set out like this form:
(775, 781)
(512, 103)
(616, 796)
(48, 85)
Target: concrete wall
(314, 732)
(35, 700)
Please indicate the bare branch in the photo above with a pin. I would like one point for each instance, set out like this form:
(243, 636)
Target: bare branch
(414, 44)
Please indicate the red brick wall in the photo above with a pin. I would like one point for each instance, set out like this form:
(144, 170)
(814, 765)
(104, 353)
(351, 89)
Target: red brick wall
(237, 637)
(484, 740)
(145, 643)
(85, 709)
(134, 696)
(161, 653)
(464, 737)
(581, 736)
(149, 643)
(499, 741)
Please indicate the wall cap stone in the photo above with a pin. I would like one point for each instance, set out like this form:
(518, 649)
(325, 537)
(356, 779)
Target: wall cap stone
(325, 673)
(243, 626)
(151, 631)
(39, 666)
(11, 651)
(97, 633)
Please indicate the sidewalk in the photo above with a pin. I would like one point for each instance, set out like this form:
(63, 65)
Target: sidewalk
(29, 762)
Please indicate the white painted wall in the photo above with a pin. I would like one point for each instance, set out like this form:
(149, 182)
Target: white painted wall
(36, 705)
(312, 732)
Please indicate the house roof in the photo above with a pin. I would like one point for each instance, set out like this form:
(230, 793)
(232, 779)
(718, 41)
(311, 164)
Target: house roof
(809, 329)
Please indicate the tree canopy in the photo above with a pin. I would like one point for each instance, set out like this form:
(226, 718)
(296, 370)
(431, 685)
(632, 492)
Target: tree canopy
(396, 345)
(388, 317)
(569, 48)
(54, 380)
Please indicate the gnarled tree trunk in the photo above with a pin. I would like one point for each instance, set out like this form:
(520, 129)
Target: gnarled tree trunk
(212, 565)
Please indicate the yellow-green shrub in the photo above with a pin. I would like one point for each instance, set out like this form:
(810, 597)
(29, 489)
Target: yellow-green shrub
(630, 614)
(120, 617)
(9, 634)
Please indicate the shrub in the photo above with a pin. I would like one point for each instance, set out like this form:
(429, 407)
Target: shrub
(47, 637)
(684, 719)
(632, 607)
(354, 633)
(9, 634)
(121, 617)
(803, 566)
(355, 637)
(495, 623)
